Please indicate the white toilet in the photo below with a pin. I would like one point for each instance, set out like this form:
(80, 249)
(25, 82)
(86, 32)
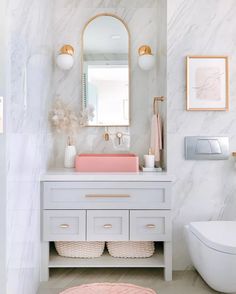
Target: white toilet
(212, 247)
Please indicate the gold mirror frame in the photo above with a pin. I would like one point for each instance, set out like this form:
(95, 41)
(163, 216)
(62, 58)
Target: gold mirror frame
(129, 64)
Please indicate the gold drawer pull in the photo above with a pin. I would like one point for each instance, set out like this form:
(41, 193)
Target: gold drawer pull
(107, 226)
(107, 195)
(150, 226)
(64, 226)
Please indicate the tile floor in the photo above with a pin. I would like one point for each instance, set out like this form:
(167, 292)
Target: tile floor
(184, 282)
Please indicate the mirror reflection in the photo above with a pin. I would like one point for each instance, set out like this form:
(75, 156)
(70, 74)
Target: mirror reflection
(106, 71)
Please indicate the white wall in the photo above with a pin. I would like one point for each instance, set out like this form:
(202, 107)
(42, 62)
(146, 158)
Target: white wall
(203, 190)
(29, 78)
(142, 20)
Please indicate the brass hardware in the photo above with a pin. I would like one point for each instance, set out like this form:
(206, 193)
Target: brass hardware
(160, 98)
(119, 135)
(106, 135)
(67, 49)
(155, 101)
(64, 226)
(107, 196)
(107, 226)
(145, 50)
(150, 226)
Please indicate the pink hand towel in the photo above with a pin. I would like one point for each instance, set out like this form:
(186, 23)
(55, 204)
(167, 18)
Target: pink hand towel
(156, 136)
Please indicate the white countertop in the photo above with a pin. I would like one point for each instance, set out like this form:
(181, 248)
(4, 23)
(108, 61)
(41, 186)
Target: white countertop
(71, 175)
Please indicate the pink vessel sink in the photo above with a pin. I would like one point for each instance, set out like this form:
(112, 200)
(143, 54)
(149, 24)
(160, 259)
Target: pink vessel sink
(107, 163)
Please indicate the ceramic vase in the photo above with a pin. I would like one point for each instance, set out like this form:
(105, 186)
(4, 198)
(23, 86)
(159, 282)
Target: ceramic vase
(70, 153)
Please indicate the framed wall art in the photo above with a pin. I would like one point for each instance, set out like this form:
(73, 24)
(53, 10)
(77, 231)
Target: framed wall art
(207, 83)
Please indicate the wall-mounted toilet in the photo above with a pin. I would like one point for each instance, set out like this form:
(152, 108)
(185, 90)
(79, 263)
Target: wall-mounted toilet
(212, 247)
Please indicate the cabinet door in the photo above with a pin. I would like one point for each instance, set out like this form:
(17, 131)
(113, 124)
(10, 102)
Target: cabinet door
(150, 225)
(64, 225)
(107, 225)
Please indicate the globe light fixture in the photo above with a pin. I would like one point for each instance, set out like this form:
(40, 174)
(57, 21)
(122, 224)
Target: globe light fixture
(65, 59)
(146, 59)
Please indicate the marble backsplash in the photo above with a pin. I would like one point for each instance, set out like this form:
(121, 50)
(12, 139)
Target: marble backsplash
(143, 23)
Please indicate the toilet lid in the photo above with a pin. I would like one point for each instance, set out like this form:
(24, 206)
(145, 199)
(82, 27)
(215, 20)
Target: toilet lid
(219, 235)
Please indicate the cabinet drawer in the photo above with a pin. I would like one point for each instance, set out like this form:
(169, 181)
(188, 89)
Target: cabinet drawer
(64, 225)
(107, 225)
(106, 195)
(150, 225)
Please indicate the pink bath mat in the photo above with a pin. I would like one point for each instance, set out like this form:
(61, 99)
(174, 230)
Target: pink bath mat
(108, 288)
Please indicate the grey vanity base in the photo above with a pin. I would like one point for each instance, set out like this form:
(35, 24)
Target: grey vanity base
(80, 211)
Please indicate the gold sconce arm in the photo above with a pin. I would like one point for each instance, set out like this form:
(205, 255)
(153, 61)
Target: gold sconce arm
(67, 49)
(145, 50)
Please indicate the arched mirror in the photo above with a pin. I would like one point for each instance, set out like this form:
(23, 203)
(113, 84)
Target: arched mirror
(106, 71)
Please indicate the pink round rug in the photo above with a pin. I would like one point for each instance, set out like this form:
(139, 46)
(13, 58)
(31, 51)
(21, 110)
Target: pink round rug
(108, 288)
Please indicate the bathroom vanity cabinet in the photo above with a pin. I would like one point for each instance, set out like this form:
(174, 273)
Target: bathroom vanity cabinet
(78, 207)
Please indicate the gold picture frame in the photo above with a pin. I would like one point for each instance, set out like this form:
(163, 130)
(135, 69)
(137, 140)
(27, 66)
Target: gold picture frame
(207, 83)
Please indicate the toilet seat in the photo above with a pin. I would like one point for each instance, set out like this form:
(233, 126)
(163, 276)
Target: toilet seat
(218, 235)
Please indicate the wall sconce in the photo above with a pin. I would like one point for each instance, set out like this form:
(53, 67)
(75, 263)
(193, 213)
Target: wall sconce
(65, 58)
(146, 59)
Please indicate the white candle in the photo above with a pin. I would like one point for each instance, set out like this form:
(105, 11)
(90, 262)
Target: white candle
(149, 160)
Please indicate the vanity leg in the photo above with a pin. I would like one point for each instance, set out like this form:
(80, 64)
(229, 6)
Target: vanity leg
(44, 270)
(168, 261)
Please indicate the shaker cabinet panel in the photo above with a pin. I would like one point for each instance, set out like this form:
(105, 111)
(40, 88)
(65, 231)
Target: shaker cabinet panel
(64, 225)
(106, 195)
(150, 225)
(107, 225)
(93, 209)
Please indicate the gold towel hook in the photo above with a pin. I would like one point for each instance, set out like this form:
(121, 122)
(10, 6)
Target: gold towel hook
(155, 102)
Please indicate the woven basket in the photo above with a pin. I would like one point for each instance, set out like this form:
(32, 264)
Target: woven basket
(81, 249)
(131, 249)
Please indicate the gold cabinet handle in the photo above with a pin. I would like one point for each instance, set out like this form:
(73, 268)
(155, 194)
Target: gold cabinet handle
(107, 195)
(64, 226)
(150, 226)
(107, 226)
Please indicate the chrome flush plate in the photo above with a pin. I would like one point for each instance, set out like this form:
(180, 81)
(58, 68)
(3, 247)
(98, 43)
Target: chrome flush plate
(206, 148)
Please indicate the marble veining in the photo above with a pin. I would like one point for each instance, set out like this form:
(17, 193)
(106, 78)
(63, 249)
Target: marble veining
(68, 22)
(203, 190)
(29, 70)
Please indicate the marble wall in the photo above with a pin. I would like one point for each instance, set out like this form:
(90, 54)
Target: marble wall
(203, 190)
(3, 166)
(161, 70)
(69, 18)
(29, 69)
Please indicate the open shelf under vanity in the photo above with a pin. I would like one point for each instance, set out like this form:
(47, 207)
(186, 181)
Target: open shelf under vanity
(106, 207)
(106, 260)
